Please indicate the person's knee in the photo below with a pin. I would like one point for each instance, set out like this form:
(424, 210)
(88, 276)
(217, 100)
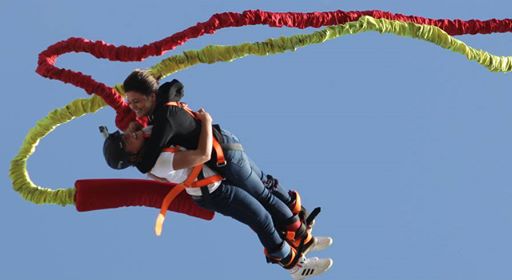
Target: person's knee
(264, 220)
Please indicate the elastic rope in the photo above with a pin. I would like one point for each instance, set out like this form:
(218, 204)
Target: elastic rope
(100, 49)
(211, 54)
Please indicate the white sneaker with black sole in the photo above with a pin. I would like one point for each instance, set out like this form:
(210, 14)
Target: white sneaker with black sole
(308, 267)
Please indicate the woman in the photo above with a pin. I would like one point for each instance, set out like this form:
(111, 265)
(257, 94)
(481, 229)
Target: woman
(221, 196)
(173, 125)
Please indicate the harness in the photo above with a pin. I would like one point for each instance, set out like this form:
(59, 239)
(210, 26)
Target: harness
(191, 181)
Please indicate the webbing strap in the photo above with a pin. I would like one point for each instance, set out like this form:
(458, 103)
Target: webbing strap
(171, 149)
(232, 146)
(207, 181)
(190, 182)
(172, 194)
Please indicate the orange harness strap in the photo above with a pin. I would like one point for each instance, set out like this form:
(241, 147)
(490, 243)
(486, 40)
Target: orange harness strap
(221, 161)
(199, 183)
(190, 182)
(171, 149)
(207, 181)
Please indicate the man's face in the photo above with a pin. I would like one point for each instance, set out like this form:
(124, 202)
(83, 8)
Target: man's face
(141, 104)
(133, 142)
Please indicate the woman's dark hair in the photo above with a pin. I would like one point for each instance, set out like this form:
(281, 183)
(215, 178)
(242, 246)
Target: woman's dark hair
(141, 81)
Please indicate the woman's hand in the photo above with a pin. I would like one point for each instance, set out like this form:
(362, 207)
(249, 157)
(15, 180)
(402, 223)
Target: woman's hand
(204, 116)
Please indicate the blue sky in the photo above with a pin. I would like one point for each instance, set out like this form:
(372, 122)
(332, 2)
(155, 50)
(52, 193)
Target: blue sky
(406, 146)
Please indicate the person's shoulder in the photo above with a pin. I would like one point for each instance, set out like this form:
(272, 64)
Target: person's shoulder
(163, 111)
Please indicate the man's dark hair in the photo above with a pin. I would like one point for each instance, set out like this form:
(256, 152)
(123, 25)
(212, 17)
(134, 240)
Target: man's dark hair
(142, 82)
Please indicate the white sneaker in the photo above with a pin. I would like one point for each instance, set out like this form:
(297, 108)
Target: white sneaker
(306, 268)
(319, 243)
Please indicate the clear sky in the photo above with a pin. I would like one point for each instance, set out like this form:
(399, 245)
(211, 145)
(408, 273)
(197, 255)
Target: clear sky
(406, 146)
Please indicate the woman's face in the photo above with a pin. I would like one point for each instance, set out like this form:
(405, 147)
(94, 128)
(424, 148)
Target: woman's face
(133, 142)
(141, 104)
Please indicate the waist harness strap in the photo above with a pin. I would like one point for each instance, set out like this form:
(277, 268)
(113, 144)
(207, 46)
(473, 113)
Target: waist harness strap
(190, 182)
(232, 146)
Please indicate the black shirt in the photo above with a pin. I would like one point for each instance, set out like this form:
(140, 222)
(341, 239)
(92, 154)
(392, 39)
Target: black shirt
(172, 125)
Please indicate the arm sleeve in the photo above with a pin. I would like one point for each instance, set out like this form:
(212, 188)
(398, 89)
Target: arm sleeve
(163, 131)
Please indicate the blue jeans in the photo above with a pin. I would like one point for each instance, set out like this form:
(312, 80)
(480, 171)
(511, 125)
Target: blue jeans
(242, 172)
(245, 198)
(234, 202)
